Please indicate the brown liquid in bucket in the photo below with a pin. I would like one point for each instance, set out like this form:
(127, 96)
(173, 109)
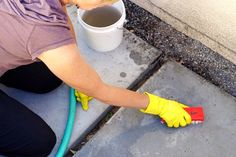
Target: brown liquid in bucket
(101, 17)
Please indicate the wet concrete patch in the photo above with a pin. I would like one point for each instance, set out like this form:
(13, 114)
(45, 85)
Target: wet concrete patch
(123, 74)
(140, 52)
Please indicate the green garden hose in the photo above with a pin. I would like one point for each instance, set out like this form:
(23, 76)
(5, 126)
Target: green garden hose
(69, 126)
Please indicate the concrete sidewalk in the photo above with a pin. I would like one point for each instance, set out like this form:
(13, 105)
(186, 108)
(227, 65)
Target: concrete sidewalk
(212, 22)
(130, 133)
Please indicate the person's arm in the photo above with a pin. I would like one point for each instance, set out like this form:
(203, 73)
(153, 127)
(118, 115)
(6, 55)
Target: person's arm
(66, 63)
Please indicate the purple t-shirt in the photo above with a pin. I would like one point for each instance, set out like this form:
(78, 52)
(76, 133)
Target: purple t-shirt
(28, 28)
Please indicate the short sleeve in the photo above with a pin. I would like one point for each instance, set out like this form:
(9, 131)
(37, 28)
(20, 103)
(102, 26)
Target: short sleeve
(47, 37)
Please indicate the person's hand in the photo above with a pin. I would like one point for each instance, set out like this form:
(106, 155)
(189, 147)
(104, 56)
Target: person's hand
(171, 111)
(91, 4)
(84, 99)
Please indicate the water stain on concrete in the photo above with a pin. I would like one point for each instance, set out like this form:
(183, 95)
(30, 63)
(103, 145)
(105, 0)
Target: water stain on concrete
(140, 51)
(142, 54)
(123, 74)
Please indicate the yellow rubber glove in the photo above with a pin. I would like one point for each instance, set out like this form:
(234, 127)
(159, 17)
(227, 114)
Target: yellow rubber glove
(84, 99)
(171, 111)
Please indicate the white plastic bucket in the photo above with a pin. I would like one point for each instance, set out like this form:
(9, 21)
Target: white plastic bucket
(104, 38)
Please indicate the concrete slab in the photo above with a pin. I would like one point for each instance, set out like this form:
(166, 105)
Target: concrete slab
(212, 22)
(130, 133)
(119, 67)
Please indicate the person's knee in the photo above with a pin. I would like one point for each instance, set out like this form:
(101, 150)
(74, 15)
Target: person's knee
(49, 144)
(44, 143)
(36, 78)
(48, 81)
(47, 87)
(40, 144)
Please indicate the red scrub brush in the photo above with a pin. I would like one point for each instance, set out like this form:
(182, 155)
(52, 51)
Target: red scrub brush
(196, 114)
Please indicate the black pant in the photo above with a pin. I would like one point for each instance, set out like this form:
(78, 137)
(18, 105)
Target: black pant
(22, 132)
